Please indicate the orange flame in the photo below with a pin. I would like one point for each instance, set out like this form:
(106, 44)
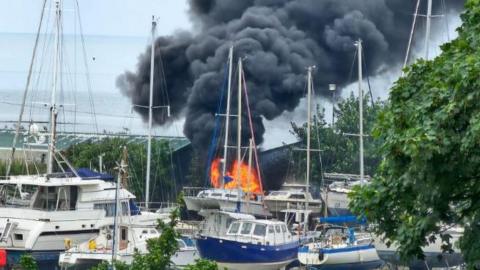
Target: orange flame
(249, 181)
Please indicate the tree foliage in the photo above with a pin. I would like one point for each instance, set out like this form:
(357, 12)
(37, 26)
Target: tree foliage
(431, 147)
(27, 262)
(340, 152)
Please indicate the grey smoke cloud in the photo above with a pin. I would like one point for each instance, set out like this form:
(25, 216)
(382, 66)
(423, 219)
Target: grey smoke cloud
(279, 39)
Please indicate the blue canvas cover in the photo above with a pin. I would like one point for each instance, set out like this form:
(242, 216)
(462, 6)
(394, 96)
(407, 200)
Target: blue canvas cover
(87, 174)
(343, 219)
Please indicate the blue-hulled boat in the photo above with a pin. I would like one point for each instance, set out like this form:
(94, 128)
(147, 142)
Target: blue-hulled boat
(239, 241)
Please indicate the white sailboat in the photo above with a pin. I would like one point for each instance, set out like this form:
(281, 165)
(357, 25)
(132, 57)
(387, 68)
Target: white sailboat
(336, 249)
(223, 198)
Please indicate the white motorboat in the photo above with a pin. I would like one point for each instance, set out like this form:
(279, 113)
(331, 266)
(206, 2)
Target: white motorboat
(292, 196)
(39, 212)
(133, 238)
(233, 200)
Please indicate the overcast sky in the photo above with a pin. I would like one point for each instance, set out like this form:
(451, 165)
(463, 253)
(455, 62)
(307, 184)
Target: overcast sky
(100, 17)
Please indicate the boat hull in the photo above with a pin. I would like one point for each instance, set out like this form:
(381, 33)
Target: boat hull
(337, 204)
(237, 255)
(84, 261)
(253, 207)
(362, 257)
(46, 259)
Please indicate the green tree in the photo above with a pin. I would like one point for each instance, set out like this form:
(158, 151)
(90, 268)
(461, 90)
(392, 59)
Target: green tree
(428, 177)
(340, 153)
(27, 262)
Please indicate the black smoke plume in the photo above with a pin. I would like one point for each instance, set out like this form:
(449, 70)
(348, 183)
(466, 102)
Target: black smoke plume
(278, 39)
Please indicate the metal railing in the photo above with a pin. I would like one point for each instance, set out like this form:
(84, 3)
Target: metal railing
(159, 207)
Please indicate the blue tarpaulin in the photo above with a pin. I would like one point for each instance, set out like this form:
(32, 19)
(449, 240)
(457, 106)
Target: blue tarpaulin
(227, 179)
(343, 219)
(87, 174)
(134, 210)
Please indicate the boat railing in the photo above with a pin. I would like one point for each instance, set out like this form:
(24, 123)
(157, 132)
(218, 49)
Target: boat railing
(158, 207)
(192, 191)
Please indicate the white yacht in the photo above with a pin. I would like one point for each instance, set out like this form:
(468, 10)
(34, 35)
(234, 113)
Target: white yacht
(233, 200)
(133, 238)
(38, 213)
(293, 196)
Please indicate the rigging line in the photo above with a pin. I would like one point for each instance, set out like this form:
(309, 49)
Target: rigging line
(17, 131)
(368, 79)
(247, 104)
(213, 142)
(412, 32)
(87, 75)
(316, 123)
(41, 60)
(444, 7)
(172, 168)
(350, 74)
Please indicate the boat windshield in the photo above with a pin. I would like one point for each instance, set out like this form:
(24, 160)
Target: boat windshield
(61, 198)
(260, 230)
(12, 195)
(278, 193)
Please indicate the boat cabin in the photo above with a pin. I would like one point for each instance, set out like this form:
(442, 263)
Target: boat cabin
(261, 232)
(63, 194)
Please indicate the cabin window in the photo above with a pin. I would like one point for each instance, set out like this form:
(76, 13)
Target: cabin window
(270, 229)
(153, 231)
(17, 196)
(180, 243)
(216, 195)
(234, 228)
(297, 196)
(18, 236)
(278, 193)
(260, 230)
(277, 229)
(246, 228)
(284, 228)
(230, 196)
(110, 208)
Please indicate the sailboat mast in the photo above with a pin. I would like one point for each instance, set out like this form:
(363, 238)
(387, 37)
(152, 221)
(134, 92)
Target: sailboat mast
(239, 121)
(150, 107)
(309, 125)
(427, 32)
(227, 116)
(53, 106)
(360, 107)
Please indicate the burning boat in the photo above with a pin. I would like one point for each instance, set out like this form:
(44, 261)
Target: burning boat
(235, 186)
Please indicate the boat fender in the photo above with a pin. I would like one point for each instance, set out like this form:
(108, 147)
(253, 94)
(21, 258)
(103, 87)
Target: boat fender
(67, 242)
(3, 258)
(320, 255)
(92, 245)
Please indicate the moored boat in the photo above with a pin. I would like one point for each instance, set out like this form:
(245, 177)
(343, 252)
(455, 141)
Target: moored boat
(246, 243)
(339, 247)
